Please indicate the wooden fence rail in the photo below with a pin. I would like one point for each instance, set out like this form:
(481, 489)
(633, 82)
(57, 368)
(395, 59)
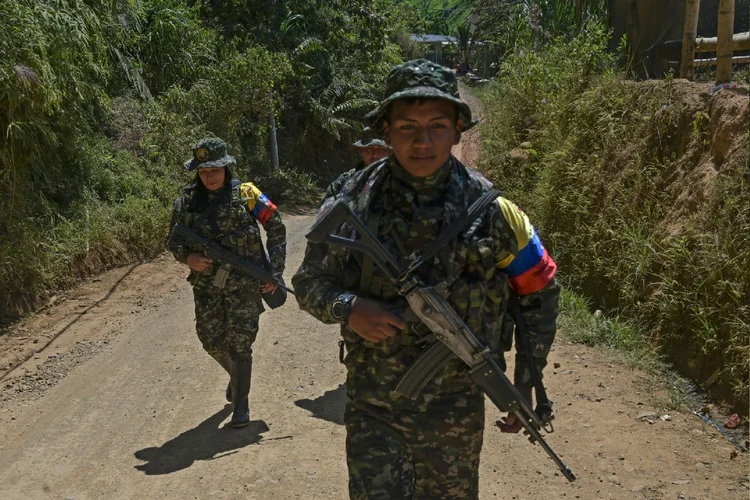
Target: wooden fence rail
(740, 41)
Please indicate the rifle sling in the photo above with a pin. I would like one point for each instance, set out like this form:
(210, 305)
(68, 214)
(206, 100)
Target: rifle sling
(514, 308)
(368, 265)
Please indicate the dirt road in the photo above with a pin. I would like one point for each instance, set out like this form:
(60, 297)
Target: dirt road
(117, 400)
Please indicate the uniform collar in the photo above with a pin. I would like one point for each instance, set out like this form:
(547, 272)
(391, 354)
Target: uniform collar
(437, 179)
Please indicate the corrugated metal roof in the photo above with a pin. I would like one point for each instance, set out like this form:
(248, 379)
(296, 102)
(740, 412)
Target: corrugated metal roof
(426, 38)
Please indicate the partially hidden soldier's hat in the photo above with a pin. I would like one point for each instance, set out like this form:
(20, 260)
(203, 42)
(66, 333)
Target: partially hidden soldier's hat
(370, 139)
(210, 153)
(420, 78)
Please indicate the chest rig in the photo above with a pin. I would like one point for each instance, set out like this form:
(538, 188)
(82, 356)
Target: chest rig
(466, 263)
(226, 219)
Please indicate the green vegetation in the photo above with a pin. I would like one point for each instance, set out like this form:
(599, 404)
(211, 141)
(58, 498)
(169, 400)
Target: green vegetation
(644, 204)
(440, 17)
(622, 338)
(101, 102)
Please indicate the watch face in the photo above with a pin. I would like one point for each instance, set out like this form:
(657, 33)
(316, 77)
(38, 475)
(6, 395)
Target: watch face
(337, 310)
(340, 306)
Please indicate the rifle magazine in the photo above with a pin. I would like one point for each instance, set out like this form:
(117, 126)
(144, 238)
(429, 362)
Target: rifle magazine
(424, 369)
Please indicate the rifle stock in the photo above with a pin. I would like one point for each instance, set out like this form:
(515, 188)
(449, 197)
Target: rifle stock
(432, 308)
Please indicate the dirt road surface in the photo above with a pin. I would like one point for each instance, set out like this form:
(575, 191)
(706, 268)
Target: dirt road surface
(108, 394)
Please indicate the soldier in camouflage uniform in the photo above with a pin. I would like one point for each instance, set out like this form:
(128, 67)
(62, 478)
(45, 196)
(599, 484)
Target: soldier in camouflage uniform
(428, 448)
(370, 148)
(228, 304)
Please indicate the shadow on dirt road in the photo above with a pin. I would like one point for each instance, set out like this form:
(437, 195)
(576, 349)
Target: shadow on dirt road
(329, 406)
(207, 441)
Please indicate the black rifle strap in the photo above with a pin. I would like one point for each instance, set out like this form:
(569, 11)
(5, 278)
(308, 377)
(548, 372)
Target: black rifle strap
(342, 352)
(368, 265)
(455, 227)
(515, 310)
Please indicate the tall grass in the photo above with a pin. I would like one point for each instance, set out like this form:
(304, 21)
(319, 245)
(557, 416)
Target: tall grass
(610, 332)
(612, 178)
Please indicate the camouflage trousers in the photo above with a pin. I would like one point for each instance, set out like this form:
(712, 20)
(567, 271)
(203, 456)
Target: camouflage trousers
(226, 320)
(415, 455)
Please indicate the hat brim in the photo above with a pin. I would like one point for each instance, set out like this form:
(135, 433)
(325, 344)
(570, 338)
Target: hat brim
(374, 143)
(375, 117)
(225, 160)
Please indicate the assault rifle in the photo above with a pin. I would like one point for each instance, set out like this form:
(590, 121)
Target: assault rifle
(431, 307)
(182, 236)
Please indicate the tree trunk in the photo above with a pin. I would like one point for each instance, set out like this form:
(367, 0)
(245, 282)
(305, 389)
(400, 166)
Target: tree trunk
(632, 31)
(689, 35)
(274, 142)
(725, 41)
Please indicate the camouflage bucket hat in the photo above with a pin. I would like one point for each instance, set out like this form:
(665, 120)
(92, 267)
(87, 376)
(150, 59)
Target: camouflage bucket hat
(420, 78)
(370, 140)
(209, 153)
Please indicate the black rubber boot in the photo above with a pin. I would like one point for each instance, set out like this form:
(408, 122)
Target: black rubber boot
(226, 362)
(240, 373)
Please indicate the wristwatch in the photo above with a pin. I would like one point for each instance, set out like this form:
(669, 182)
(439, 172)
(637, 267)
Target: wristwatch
(342, 306)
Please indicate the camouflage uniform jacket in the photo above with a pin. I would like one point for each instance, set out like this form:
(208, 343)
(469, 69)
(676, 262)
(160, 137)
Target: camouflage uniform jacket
(234, 225)
(498, 251)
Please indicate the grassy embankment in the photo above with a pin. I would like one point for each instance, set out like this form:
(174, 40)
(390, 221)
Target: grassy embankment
(642, 192)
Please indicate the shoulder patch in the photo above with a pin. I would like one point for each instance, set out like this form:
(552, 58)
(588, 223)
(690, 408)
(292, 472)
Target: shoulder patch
(531, 268)
(258, 203)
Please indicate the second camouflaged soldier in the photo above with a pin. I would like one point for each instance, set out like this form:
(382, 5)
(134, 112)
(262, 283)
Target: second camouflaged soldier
(428, 448)
(228, 304)
(371, 148)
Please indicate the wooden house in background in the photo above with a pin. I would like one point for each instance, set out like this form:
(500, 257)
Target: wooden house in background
(655, 29)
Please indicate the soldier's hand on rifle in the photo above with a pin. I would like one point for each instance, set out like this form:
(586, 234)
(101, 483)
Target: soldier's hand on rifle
(269, 287)
(198, 262)
(373, 321)
(511, 423)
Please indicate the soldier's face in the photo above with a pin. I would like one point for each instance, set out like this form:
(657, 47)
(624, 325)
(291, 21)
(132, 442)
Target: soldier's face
(422, 134)
(212, 178)
(373, 154)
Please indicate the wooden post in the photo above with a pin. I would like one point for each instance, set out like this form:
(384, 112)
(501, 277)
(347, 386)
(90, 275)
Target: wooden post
(579, 14)
(689, 34)
(725, 41)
